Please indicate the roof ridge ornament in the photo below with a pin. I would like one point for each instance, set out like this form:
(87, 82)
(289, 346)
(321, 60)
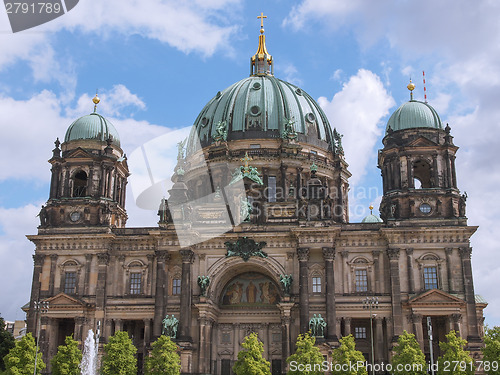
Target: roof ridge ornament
(261, 63)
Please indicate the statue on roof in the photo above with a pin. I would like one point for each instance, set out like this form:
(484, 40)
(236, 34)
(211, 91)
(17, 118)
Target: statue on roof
(337, 140)
(289, 132)
(220, 131)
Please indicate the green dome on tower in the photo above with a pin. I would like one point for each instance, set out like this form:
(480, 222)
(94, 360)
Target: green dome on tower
(414, 114)
(92, 127)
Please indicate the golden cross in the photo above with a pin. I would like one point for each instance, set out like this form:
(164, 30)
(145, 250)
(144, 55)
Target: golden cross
(245, 160)
(261, 19)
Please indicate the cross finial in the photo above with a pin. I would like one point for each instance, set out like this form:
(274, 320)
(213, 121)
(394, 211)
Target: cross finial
(245, 160)
(261, 21)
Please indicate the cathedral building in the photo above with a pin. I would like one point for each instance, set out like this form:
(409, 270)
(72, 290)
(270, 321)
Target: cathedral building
(255, 236)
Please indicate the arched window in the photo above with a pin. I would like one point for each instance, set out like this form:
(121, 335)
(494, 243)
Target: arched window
(422, 174)
(80, 184)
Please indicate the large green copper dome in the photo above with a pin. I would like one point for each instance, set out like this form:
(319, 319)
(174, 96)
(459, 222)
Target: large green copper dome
(259, 107)
(92, 126)
(414, 114)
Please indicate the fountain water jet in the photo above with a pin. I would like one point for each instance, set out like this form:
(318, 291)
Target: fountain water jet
(88, 365)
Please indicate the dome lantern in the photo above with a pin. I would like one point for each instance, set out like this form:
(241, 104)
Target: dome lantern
(261, 63)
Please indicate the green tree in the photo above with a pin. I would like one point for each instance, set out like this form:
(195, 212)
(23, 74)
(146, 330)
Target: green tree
(346, 360)
(21, 358)
(408, 358)
(164, 359)
(119, 356)
(307, 356)
(491, 351)
(455, 360)
(68, 358)
(6, 343)
(250, 360)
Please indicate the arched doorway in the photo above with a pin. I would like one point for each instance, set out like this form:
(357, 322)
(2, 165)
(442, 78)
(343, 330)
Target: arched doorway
(248, 303)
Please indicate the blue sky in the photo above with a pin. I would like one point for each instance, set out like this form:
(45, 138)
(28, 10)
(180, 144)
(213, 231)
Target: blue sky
(157, 63)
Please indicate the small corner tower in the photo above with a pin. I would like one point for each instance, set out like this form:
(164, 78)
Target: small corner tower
(418, 166)
(89, 177)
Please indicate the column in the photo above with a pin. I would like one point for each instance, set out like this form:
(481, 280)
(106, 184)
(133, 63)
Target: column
(147, 334)
(53, 262)
(376, 266)
(102, 261)
(107, 329)
(161, 256)
(379, 340)
(418, 330)
(409, 265)
(286, 342)
(303, 255)
(331, 315)
(38, 260)
(185, 315)
(118, 325)
(435, 170)
(149, 291)
(347, 325)
(86, 282)
(448, 251)
(236, 335)
(204, 356)
(78, 334)
(465, 255)
(397, 313)
(345, 284)
(453, 172)
(456, 319)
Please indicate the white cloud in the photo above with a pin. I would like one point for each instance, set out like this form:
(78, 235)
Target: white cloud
(15, 257)
(356, 112)
(291, 74)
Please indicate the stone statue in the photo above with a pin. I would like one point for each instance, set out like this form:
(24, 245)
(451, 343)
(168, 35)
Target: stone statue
(317, 326)
(203, 282)
(289, 132)
(164, 212)
(337, 140)
(462, 204)
(245, 209)
(170, 326)
(43, 216)
(220, 131)
(286, 283)
(180, 149)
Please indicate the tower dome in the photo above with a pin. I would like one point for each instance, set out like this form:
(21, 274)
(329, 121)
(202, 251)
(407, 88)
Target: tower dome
(259, 107)
(92, 127)
(414, 114)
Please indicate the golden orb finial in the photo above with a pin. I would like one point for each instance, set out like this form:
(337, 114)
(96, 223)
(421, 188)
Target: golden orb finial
(411, 87)
(96, 101)
(371, 209)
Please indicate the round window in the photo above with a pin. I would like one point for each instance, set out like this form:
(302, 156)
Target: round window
(425, 208)
(310, 117)
(256, 86)
(204, 121)
(298, 92)
(75, 216)
(255, 110)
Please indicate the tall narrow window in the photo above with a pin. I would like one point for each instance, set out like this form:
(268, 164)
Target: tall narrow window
(176, 286)
(316, 284)
(361, 281)
(70, 282)
(80, 184)
(135, 283)
(271, 189)
(430, 278)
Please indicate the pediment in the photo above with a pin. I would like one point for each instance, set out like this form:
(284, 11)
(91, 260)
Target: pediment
(422, 141)
(435, 297)
(78, 153)
(65, 301)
